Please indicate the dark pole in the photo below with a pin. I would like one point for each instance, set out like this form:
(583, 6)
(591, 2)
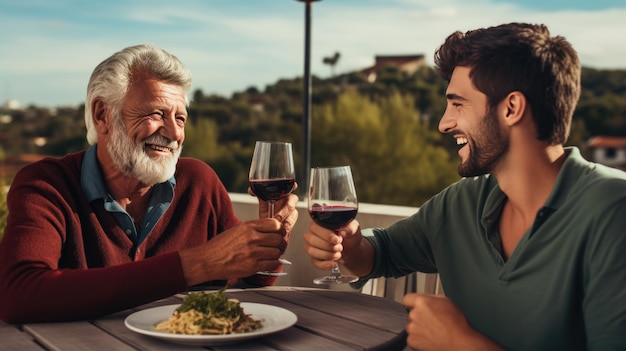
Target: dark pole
(306, 121)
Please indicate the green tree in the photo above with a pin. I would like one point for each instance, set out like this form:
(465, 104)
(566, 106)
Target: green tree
(332, 62)
(201, 139)
(394, 154)
(228, 160)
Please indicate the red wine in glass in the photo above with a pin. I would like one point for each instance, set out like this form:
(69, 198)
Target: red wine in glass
(332, 217)
(332, 204)
(272, 189)
(272, 174)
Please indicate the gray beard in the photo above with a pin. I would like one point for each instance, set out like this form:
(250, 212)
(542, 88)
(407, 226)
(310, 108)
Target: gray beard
(133, 161)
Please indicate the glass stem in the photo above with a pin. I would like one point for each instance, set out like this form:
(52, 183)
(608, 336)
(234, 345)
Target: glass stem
(271, 209)
(335, 271)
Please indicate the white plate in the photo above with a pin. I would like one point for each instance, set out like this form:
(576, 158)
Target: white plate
(274, 318)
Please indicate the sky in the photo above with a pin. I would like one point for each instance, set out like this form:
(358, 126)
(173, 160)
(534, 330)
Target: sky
(49, 48)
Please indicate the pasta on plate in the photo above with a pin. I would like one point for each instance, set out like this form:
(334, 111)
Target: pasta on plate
(204, 313)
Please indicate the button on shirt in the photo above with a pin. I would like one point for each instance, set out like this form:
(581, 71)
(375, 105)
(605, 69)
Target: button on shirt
(94, 188)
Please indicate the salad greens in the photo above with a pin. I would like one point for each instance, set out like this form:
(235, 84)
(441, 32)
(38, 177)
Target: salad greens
(212, 304)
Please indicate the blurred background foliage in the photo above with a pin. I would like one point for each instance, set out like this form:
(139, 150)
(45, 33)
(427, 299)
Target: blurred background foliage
(4, 211)
(386, 130)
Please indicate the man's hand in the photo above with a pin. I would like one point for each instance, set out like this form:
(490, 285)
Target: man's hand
(284, 209)
(323, 245)
(236, 253)
(436, 323)
(346, 245)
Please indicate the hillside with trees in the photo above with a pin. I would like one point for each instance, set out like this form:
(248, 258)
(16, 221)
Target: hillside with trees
(386, 130)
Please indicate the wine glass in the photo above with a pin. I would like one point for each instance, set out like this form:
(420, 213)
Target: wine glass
(332, 203)
(272, 176)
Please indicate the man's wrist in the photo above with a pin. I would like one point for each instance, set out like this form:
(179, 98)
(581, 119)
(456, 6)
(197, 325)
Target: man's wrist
(360, 260)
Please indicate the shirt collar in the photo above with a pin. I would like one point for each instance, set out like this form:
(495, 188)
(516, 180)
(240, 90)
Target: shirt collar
(573, 169)
(92, 181)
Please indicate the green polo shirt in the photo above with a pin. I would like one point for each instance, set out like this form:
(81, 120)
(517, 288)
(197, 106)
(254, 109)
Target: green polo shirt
(564, 286)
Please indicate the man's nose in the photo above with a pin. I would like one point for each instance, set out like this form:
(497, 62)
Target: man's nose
(447, 122)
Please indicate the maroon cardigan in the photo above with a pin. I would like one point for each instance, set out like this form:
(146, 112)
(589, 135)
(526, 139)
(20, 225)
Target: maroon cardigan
(63, 258)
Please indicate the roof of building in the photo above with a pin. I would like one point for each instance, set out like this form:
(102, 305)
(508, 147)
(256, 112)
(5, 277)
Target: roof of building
(603, 141)
(398, 60)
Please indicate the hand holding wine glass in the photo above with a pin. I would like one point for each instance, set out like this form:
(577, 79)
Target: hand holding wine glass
(272, 176)
(332, 204)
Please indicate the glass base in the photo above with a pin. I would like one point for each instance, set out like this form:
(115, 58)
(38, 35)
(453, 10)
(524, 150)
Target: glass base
(277, 274)
(273, 274)
(336, 279)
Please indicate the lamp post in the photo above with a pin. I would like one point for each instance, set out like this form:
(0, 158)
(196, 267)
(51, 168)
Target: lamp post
(306, 121)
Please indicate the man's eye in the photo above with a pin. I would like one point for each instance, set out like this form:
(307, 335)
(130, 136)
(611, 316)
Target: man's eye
(156, 116)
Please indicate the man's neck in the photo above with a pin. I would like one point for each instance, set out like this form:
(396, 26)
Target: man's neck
(124, 189)
(527, 180)
(529, 175)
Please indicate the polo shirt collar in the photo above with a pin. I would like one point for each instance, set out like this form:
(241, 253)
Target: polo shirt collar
(574, 167)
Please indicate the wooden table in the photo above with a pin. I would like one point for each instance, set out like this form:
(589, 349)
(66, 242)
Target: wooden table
(327, 320)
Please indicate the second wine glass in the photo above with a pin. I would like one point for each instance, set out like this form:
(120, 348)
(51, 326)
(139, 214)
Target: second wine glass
(272, 175)
(332, 204)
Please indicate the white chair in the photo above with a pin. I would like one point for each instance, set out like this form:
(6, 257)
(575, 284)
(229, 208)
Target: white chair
(396, 288)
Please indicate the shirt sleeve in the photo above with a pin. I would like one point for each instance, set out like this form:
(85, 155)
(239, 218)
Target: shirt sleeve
(604, 282)
(400, 249)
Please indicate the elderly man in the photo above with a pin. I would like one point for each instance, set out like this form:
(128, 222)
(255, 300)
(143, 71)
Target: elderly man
(127, 221)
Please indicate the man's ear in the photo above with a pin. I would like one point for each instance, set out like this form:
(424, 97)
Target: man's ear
(100, 116)
(515, 107)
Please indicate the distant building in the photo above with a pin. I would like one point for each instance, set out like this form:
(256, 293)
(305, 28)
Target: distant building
(11, 105)
(608, 150)
(257, 102)
(408, 64)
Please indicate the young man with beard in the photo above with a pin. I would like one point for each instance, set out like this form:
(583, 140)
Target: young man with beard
(530, 244)
(127, 221)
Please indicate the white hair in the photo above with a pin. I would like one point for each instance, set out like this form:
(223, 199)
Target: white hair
(111, 78)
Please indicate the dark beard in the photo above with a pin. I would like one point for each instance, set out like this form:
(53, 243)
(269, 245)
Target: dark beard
(486, 149)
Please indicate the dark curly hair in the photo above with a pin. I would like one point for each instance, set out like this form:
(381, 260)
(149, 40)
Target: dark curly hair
(519, 57)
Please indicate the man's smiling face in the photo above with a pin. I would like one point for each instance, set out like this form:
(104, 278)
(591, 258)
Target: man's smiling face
(481, 140)
(147, 140)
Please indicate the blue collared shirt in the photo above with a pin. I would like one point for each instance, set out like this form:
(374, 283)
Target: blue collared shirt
(92, 183)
